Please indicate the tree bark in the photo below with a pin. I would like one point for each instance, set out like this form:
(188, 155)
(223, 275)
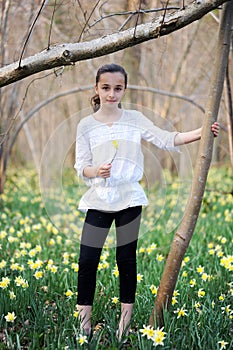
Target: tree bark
(187, 226)
(229, 113)
(68, 54)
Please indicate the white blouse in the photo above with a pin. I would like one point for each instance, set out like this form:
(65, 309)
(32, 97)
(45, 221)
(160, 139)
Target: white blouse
(94, 147)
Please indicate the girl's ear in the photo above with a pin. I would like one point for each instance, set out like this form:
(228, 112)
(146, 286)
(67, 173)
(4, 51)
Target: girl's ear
(96, 90)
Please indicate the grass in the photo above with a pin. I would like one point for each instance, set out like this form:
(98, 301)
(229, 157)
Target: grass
(39, 245)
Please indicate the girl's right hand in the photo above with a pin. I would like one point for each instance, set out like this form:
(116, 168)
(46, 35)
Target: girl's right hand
(104, 171)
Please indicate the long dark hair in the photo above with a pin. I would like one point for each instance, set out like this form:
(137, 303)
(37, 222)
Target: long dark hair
(107, 68)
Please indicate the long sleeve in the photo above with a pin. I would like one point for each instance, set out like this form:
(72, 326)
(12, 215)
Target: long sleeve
(83, 156)
(161, 138)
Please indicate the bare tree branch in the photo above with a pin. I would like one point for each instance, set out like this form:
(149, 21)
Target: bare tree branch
(30, 31)
(131, 14)
(68, 54)
(137, 19)
(81, 8)
(97, 3)
(167, 93)
(36, 109)
(164, 14)
(10, 121)
(51, 24)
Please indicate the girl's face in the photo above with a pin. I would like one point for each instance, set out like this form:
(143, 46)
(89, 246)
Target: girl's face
(111, 88)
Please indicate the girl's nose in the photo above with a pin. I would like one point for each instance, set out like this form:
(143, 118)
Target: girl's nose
(111, 93)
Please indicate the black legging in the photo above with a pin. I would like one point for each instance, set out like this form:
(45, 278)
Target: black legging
(95, 231)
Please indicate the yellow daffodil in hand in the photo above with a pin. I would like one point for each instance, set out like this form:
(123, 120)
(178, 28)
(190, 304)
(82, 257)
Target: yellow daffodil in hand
(116, 146)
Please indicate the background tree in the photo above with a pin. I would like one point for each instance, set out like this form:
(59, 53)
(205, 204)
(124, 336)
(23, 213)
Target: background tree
(90, 31)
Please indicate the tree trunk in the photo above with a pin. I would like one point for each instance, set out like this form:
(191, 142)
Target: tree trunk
(229, 113)
(2, 166)
(187, 226)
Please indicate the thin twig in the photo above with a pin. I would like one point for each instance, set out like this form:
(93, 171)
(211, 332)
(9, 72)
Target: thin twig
(163, 18)
(80, 6)
(30, 31)
(133, 13)
(126, 21)
(219, 191)
(51, 24)
(166, 93)
(4, 135)
(137, 19)
(101, 7)
(86, 23)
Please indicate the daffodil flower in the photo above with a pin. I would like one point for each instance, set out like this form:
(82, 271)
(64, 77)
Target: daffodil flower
(82, 339)
(116, 146)
(115, 300)
(223, 344)
(10, 317)
(159, 337)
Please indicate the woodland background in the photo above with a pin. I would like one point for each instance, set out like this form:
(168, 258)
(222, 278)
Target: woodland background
(169, 80)
(180, 63)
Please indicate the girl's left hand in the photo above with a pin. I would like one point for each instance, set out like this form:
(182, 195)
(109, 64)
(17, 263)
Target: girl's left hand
(215, 129)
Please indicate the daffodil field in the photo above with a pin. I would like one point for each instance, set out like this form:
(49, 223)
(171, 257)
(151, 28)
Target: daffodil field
(39, 265)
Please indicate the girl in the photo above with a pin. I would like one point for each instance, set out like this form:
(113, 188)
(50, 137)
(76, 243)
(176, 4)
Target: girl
(110, 160)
